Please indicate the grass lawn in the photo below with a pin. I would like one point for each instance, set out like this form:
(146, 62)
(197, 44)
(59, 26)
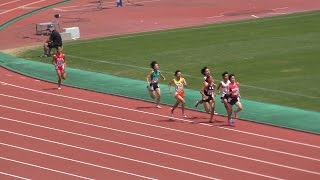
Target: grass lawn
(276, 59)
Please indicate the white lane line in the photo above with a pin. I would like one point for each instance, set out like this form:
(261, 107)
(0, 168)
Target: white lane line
(21, 7)
(9, 2)
(73, 160)
(277, 13)
(30, 7)
(215, 16)
(94, 6)
(41, 167)
(159, 115)
(15, 176)
(161, 127)
(149, 137)
(280, 8)
(108, 154)
(255, 16)
(113, 3)
(279, 91)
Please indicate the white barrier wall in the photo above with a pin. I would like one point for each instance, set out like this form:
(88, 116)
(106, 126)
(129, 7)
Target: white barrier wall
(74, 31)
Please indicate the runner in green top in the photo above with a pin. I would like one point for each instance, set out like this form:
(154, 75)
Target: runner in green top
(153, 80)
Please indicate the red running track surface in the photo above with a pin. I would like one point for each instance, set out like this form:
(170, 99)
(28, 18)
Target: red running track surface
(12, 9)
(75, 134)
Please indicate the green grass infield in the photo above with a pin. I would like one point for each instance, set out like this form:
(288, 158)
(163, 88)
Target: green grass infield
(276, 60)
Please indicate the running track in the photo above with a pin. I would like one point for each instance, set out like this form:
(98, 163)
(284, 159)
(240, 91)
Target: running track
(77, 134)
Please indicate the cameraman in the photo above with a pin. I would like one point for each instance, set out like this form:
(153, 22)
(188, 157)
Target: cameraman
(54, 41)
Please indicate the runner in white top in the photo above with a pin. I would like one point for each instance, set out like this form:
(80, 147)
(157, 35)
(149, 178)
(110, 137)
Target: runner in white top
(224, 84)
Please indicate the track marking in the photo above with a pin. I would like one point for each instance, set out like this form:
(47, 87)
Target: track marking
(73, 160)
(255, 16)
(279, 91)
(30, 7)
(9, 2)
(142, 148)
(85, 5)
(216, 16)
(277, 13)
(159, 115)
(21, 6)
(281, 8)
(15, 176)
(94, 6)
(161, 127)
(112, 155)
(113, 3)
(53, 170)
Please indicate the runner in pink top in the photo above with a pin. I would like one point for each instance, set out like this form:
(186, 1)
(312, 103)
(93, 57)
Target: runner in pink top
(233, 98)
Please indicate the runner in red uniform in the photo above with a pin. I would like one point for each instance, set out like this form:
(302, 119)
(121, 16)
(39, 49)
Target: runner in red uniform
(60, 63)
(233, 98)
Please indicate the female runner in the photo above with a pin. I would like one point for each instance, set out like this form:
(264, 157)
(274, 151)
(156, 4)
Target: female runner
(60, 63)
(180, 83)
(153, 80)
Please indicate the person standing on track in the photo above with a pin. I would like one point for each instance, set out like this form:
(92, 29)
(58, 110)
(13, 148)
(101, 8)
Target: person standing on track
(233, 98)
(224, 84)
(208, 95)
(180, 83)
(119, 3)
(153, 82)
(60, 63)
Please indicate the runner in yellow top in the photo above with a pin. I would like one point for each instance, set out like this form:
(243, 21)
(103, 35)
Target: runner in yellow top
(180, 83)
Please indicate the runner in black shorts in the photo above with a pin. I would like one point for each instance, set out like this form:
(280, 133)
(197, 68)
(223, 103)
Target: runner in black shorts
(152, 80)
(153, 86)
(208, 94)
(233, 97)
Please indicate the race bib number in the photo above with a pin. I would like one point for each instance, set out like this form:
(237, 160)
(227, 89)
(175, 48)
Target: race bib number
(179, 87)
(155, 80)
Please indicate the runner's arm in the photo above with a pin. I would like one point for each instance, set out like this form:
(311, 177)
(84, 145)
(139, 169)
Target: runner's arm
(185, 83)
(202, 90)
(162, 77)
(148, 78)
(53, 61)
(218, 88)
(65, 61)
(169, 86)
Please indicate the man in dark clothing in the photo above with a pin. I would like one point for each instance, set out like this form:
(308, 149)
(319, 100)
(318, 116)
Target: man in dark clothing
(54, 41)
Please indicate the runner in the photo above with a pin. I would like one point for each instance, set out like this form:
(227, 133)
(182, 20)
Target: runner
(60, 63)
(233, 98)
(180, 83)
(205, 71)
(153, 80)
(208, 94)
(224, 84)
